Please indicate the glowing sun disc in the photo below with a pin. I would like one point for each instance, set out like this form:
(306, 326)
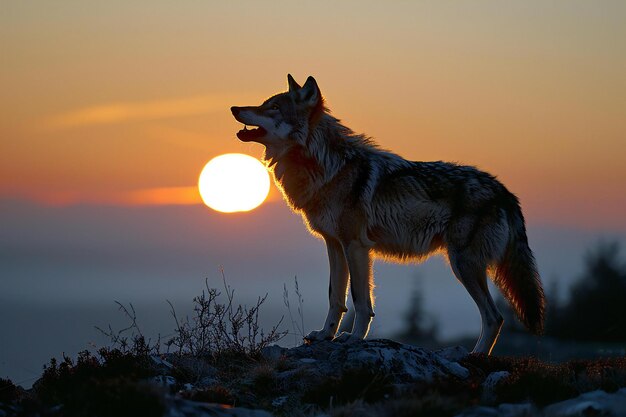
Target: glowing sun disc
(234, 182)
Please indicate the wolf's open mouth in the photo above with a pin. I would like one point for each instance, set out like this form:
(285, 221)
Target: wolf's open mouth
(246, 135)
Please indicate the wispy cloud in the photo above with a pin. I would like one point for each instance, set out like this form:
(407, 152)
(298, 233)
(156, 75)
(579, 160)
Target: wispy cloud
(142, 197)
(122, 112)
(162, 196)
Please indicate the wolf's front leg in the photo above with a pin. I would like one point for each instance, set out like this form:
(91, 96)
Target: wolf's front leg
(361, 284)
(336, 292)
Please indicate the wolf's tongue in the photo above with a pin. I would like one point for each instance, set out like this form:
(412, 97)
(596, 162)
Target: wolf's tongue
(248, 135)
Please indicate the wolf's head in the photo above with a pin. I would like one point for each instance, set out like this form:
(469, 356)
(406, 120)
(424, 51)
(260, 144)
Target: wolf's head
(284, 119)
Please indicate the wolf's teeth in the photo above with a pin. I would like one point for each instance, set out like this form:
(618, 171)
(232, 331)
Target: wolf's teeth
(245, 127)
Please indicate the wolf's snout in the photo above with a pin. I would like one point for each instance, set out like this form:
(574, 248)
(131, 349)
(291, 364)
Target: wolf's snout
(235, 110)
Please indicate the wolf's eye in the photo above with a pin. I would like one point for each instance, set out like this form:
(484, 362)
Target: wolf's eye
(275, 107)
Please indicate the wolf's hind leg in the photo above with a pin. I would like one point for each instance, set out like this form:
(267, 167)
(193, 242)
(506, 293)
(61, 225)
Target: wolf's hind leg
(361, 284)
(474, 279)
(336, 292)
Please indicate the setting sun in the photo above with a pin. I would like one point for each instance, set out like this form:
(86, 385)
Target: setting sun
(233, 182)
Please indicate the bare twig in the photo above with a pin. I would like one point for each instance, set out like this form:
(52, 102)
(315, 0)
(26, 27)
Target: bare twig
(135, 343)
(298, 328)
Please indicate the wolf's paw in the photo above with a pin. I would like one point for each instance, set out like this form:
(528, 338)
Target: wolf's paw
(317, 336)
(346, 337)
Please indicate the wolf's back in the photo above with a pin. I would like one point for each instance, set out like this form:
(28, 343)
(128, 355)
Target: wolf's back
(516, 274)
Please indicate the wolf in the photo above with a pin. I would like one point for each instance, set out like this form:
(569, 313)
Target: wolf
(366, 202)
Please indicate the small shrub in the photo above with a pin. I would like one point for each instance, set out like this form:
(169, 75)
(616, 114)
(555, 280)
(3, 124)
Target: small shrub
(462, 391)
(215, 328)
(283, 364)
(364, 384)
(608, 374)
(432, 405)
(219, 327)
(545, 383)
(263, 379)
(61, 382)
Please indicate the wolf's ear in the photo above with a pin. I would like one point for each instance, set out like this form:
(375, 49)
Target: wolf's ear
(293, 85)
(310, 92)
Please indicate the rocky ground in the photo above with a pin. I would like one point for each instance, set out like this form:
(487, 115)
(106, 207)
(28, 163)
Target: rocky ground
(377, 378)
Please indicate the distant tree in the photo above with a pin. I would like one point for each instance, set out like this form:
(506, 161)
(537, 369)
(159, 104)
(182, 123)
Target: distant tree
(419, 327)
(596, 309)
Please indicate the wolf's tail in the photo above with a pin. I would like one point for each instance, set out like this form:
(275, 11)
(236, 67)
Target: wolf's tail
(516, 274)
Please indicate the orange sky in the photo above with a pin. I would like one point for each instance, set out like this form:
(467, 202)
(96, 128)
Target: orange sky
(119, 102)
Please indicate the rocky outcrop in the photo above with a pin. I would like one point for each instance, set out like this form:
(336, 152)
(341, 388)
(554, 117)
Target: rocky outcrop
(407, 363)
(373, 378)
(308, 371)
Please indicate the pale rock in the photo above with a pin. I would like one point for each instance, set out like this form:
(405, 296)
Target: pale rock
(453, 353)
(594, 403)
(165, 381)
(273, 353)
(279, 401)
(489, 385)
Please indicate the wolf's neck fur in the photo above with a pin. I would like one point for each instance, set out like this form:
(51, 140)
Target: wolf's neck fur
(300, 171)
